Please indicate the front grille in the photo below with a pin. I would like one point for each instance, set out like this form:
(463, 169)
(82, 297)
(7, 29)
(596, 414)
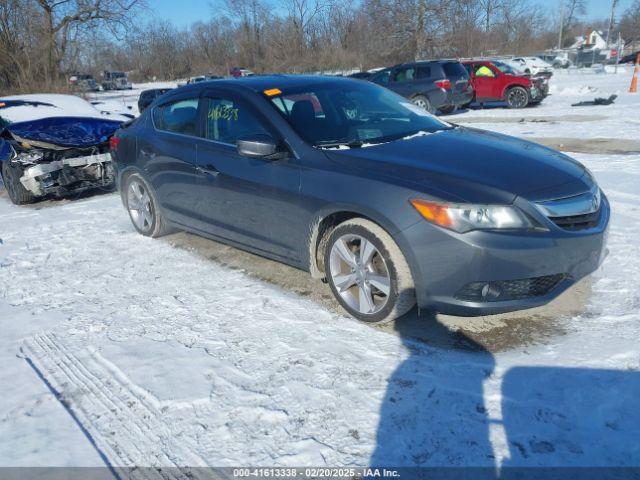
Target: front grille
(577, 222)
(502, 290)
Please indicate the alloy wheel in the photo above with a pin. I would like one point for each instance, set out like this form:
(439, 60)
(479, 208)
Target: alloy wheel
(517, 98)
(359, 273)
(140, 206)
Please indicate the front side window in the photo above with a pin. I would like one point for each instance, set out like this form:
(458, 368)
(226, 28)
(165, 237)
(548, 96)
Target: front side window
(405, 75)
(177, 117)
(350, 112)
(227, 121)
(484, 71)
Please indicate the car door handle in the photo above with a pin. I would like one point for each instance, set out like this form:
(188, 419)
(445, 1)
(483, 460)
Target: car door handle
(208, 170)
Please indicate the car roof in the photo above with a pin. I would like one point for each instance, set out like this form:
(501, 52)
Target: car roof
(263, 82)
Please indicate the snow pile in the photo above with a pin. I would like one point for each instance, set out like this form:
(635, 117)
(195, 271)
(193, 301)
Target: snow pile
(55, 105)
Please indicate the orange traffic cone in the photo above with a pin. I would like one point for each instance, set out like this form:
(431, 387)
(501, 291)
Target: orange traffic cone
(634, 81)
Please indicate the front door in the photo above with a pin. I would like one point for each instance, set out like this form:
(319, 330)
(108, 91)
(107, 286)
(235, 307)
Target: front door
(486, 82)
(254, 202)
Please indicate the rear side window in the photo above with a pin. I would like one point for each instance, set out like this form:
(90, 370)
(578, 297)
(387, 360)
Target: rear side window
(177, 117)
(227, 121)
(424, 72)
(455, 69)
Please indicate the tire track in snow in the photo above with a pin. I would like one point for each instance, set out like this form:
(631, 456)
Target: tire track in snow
(125, 424)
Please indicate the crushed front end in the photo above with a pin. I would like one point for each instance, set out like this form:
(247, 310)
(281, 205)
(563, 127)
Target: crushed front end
(56, 157)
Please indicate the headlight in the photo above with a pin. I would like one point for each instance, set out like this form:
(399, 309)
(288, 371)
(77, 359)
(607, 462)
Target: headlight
(466, 217)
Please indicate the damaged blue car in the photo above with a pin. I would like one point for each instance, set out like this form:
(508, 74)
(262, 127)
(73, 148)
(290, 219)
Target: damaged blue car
(54, 145)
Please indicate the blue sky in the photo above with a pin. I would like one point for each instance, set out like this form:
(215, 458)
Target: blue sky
(185, 12)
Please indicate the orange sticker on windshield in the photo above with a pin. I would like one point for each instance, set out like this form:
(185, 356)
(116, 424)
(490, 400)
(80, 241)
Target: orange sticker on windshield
(272, 92)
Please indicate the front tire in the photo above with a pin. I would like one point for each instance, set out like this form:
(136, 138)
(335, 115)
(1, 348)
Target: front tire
(367, 272)
(142, 205)
(11, 175)
(517, 97)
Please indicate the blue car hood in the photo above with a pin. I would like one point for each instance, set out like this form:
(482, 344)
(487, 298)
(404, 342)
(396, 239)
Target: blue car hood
(73, 132)
(472, 165)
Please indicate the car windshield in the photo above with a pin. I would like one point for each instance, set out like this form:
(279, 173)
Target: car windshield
(335, 114)
(508, 69)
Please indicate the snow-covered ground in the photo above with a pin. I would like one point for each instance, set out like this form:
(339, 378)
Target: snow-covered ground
(161, 356)
(555, 117)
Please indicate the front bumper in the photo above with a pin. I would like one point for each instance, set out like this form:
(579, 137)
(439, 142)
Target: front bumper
(444, 263)
(69, 175)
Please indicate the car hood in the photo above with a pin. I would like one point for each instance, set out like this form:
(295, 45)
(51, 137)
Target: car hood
(65, 132)
(471, 165)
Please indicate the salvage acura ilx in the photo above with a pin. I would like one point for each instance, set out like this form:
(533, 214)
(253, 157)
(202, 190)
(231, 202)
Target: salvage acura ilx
(362, 188)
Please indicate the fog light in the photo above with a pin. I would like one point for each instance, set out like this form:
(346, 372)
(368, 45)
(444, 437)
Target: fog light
(490, 292)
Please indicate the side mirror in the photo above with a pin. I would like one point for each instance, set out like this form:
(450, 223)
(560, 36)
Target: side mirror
(258, 146)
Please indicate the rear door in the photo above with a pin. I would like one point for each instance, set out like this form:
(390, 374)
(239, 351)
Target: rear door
(253, 202)
(167, 151)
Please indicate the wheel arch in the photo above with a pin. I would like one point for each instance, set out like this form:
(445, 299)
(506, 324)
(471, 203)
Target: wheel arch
(509, 86)
(324, 223)
(122, 176)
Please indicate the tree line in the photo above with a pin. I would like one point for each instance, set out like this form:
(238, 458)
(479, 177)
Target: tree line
(42, 42)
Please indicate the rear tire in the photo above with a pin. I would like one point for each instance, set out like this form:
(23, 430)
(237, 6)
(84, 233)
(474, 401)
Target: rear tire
(517, 97)
(141, 203)
(447, 110)
(367, 272)
(11, 175)
(423, 102)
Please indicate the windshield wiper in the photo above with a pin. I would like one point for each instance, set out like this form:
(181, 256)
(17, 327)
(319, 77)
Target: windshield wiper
(349, 143)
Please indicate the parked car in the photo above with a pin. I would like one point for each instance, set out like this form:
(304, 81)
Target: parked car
(459, 220)
(556, 60)
(501, 83)
(202, 78)
(83, 83)
(631, 58)
(54, 145)
(240, 72)
(148, 96)
(530, 65)
(115, 81)
(441, 85)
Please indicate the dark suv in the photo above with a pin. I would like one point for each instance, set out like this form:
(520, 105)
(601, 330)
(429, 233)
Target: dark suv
(441, 85)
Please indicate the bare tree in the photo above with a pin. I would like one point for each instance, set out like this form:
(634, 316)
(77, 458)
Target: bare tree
(64, 18)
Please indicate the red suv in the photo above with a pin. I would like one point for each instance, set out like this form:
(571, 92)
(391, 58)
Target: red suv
(503, 84)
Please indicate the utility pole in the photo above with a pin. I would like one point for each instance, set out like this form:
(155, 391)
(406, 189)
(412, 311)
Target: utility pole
(561, 24)
(613, 9)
